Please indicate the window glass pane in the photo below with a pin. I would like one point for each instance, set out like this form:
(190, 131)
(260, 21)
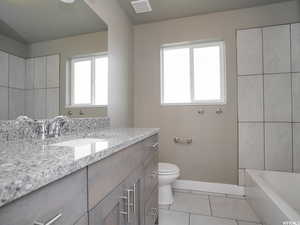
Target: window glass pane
(101, 81)
(82, 82)
(176, 75)
(207, 77)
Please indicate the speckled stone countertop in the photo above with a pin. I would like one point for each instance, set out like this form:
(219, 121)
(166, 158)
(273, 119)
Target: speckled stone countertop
(28, 165)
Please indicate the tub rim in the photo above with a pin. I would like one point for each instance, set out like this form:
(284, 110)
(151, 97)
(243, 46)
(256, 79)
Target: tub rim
(282, 204)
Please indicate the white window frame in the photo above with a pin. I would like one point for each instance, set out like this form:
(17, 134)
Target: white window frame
(71, 90)
(192, 46)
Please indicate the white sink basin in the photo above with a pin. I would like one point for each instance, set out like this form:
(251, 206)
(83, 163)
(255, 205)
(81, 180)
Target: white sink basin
(84, 146)
(79, 142)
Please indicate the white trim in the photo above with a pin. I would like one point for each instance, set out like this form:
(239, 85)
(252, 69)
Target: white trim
(93, 69)
(204, 103)
(191, 46)
(101, 54)
(85, 106)
(209, 187)
(192, 75)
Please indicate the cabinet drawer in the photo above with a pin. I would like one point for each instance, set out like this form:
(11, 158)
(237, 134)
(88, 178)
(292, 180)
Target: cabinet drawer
(65, 200)
(151, 175)
(151, 209)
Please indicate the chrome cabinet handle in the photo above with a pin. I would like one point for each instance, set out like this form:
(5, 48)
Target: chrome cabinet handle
(133, 204)
(50, 222)
(185, 141)
(127, 212)
(155, 146)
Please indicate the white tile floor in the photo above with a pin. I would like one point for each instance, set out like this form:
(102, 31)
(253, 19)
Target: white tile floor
(207, 209)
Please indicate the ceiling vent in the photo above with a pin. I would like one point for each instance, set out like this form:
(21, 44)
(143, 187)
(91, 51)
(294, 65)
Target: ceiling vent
(141, 6)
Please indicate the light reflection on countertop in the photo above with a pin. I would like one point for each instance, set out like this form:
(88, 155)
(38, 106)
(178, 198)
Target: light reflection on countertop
(26, 166)
(84, 146)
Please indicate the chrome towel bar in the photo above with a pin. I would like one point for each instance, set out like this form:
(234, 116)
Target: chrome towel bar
(178, 140)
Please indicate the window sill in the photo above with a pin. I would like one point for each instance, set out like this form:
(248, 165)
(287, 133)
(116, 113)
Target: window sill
(195, 104)
(84, 106)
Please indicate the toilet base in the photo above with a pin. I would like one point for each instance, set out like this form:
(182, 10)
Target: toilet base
(165, 195)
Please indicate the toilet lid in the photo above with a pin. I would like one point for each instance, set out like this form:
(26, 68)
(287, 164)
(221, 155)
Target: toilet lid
(166, 168)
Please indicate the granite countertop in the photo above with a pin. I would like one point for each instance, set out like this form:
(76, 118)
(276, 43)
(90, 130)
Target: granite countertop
(26, 166)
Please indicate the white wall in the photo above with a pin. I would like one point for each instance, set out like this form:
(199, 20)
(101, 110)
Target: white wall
(213, 156)
(120, 43)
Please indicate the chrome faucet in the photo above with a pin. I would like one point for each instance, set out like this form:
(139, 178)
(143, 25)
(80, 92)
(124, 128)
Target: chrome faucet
(40, 129)
(55, 126)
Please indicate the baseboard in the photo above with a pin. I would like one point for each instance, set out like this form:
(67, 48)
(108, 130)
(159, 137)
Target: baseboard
(191, 185)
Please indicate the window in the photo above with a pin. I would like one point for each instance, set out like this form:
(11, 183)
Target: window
(193, 74)
(89, 81)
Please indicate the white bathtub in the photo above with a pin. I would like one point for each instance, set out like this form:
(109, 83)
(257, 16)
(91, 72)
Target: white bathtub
(274, 196)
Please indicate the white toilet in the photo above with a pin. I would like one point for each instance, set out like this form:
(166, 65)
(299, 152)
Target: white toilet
(167, 174)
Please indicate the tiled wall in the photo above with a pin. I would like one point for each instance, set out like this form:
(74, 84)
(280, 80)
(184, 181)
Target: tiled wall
(29, 86)
(42, 87)
(269, 98)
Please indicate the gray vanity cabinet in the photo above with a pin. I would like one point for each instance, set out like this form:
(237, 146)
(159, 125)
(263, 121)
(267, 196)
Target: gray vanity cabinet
(135, 198)
(63, 202)
(119, 190)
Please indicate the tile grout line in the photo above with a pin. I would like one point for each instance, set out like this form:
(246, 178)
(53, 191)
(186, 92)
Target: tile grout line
(267, 122)
(222, 217)
(246, 221)
(267, 74)
(263, 96)
(292, 98)
(237, 104)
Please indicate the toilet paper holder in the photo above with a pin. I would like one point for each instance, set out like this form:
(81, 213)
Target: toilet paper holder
(179, 140)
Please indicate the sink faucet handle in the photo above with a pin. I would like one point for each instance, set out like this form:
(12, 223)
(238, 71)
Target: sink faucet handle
(40, 129)
(56, 125)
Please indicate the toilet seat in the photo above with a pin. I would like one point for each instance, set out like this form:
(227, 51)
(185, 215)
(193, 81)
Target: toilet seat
(167, 168)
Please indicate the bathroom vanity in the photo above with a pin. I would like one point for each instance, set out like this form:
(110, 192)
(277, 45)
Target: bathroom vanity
(107, 177)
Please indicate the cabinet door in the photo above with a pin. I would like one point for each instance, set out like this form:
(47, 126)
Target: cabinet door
(112, 210)
(151, 209)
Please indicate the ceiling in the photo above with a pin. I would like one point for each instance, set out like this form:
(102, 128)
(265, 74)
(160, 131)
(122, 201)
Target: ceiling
(169, 9)
(30, 21)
